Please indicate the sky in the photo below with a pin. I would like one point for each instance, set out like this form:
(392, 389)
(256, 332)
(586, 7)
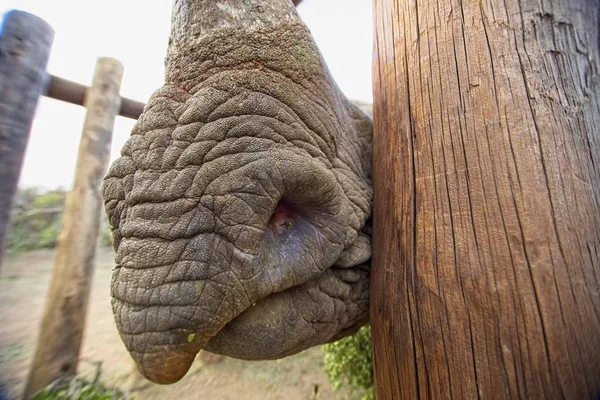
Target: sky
(136, 32)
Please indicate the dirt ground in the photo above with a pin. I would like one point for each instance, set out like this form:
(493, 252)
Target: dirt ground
(24, 281)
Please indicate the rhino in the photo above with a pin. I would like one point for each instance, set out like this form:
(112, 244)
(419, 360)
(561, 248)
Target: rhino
(240, 205)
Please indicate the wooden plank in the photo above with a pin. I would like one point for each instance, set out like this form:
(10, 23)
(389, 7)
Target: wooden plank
(486, 268)
(74, 93)
(63, 321)
(25, 43)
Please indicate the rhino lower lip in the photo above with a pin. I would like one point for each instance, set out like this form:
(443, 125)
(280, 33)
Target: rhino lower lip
(259, 317)
(168, 365)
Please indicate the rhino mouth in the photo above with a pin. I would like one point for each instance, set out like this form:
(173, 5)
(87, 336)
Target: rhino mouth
(263, 288)
(324, 309)
(284, 323)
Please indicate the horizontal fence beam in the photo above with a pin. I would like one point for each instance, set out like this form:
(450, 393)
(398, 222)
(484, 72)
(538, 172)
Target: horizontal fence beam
(74, 93)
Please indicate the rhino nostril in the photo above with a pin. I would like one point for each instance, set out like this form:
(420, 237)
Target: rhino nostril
(282, 216)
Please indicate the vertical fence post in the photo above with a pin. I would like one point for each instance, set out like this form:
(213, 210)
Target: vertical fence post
(486, 237)
(25, 43)
(63, 321)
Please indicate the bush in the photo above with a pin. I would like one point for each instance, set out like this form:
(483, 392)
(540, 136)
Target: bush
(37, 218)
(349, 363)
(79, 389)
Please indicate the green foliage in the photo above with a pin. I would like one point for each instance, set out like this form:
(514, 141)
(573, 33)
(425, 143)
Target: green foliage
(55, 198)
(49, 234)
(79, 389)
(106, 239)
(36, 221)
(349, 363)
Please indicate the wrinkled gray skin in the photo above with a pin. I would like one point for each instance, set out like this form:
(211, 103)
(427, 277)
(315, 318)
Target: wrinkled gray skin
(239, 204)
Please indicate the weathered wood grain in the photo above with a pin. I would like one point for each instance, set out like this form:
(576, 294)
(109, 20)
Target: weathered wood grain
(486, 279)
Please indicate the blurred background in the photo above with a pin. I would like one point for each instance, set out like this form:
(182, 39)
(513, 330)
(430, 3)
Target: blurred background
(136, 32)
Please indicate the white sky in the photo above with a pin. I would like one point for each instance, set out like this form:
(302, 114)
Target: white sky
(136, 32)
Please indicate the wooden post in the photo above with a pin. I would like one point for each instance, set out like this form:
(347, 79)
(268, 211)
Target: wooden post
(486, 245)
(63, 321)
(25, 43)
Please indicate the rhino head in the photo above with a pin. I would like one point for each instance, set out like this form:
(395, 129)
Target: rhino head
(239, 204)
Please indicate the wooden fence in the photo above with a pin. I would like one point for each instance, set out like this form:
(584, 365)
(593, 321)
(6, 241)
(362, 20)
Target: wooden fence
(25, 43)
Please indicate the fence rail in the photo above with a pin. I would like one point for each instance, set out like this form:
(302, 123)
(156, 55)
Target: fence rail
(74, 93)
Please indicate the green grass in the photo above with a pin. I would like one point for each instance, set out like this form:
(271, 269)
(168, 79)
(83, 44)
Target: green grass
(79, 389)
